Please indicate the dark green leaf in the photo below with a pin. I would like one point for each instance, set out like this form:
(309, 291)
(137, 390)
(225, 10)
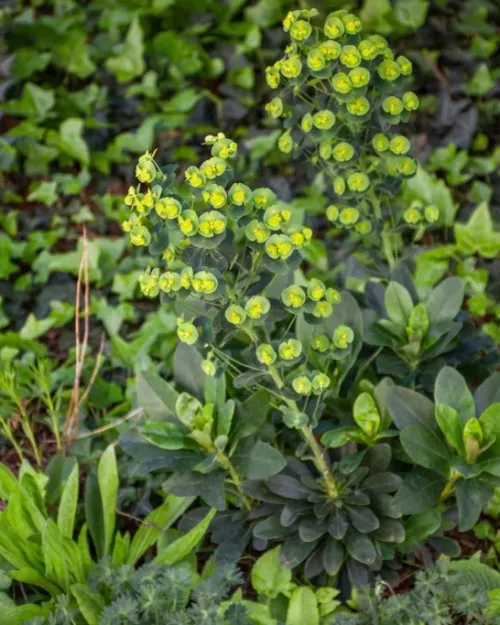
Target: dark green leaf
(409, 408)
(419, 491)
(425, 448)
(452, 390)
(472, 496)
(360, 547)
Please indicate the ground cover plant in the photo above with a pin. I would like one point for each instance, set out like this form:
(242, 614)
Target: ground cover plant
(249, 356)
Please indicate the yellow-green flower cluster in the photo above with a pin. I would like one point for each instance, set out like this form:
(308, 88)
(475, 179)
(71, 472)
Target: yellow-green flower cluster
(367, 85)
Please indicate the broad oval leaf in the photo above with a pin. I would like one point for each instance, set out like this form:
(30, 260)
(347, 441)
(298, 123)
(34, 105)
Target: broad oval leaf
(452, 390)
(407, 407)
(425, 448)
(445, 301)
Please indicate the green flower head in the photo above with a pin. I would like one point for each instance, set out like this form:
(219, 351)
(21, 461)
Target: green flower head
(405, 65)
(240, 194)
(291, 67)
(302, 385)
(407, 166)
(266, 354)
(324, 120)
(213, 167)
(204, 283)
(285, 142)
(293, 296)
(300, 30)
(170, 282)
(333, 296)
(325, 149)
(393, 105)
(349, 216)
(368, 49)
(343, 152)
(215, 195)
(350, 57)
(186, 277)
(224, 148)
(363, 227)
(320, 343)
(275, 107)
(146, 169)
(279, 246)
(358, 182)
(168, 208)
(410, 101)
(148, 283)
(332, 212)
(195, 177)
(235, 314)
(359, 77)
(188, 223)
(300, 237)
(276, 216)
(263, 197)
(187, 333)
(341, 83)
(257, 231)
(316, 290)
(315, 60)
(431, 213)
(323, 310)
(380, 142)
(358, 106)
(412, 215)
(399, 145)
(343, 336)
(211, 223)
(339, 185)
(380, 42)
(352, 24)
(257, 306)
(330, 50)
(334, 27)
(273, 77)
(140, 236)
(291, 349)
(306, 123)
(208, 367)
(389, 70)
(320, 383)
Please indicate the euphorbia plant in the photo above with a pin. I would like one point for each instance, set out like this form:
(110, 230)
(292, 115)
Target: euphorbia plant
(228, 261)
(343, 96)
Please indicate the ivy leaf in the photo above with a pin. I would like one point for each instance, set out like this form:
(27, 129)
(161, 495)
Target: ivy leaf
(129, 63)
(269, 576)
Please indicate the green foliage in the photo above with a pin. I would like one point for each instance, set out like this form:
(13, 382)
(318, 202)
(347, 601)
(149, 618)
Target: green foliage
(443, 594)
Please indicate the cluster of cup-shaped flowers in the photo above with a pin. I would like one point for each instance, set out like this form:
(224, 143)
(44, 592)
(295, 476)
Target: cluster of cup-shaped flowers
(255, 232)
(342, 93)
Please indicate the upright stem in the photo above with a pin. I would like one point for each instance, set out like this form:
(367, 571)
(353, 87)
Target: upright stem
(386, 235)
(320, 462)
(227, 464)
(317, 450)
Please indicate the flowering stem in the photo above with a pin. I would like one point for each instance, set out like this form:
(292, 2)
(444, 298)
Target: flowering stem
(225, 462)
(320, 462)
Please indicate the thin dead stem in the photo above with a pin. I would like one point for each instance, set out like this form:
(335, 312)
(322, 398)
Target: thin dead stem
(131, 415)
(81, 346)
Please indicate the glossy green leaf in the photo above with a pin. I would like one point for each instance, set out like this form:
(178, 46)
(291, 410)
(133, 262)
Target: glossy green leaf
(398, 304)
(107, 475)
(425, 448)
(183, 546)
(449, 423)
(451, 389)
(66, 512)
